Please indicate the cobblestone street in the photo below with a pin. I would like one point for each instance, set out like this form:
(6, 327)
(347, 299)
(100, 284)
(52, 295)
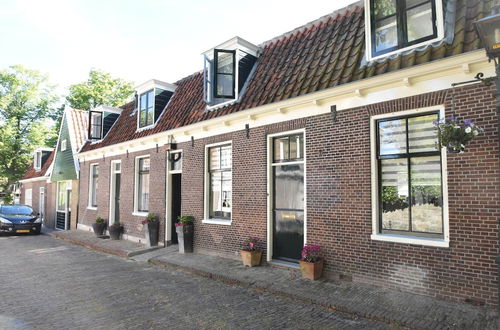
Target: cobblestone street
(50, 284)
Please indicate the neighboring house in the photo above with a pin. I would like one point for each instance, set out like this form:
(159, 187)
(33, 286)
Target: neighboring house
(65, 172)
(36, 189)
(322, 135)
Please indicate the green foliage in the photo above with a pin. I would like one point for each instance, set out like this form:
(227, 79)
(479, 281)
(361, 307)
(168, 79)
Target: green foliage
(185, 219)
(455, 133)
(99, 89)
(384, 8)
(26, 106)
(151, 217)
(99, 220)
(391, 200)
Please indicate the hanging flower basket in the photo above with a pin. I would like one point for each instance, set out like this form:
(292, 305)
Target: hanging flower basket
(455, 133)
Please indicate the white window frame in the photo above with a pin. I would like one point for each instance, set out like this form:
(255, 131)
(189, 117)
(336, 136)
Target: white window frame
(91, 187)
(112, 191)
(396, 238)
(58, 191)
(211, 72)
(206, 194)
(63, 145)
(136, 212)
(28, 192)
(368, 31)
(139, 128)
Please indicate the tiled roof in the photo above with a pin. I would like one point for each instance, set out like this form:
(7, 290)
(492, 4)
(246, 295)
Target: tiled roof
(79, 122)
(31, 173)
(322, 54)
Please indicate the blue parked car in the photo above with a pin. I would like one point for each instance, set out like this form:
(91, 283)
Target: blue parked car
(19, 219)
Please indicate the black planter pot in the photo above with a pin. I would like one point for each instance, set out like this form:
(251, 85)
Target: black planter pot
(152, 231)
(185, 237)
(115, 232)
(99, 228)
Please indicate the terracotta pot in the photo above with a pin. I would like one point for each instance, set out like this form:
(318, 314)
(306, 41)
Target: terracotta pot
(251, 258)
(311, 270)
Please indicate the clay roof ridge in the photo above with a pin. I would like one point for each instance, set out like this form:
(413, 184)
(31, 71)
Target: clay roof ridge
(335, 14)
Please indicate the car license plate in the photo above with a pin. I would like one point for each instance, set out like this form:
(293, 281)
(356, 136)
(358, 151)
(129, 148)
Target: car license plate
(22, 231)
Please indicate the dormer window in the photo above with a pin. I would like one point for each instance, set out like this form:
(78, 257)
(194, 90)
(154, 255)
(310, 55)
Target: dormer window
(398, 25)
(146, 109)
(101, 119)
(95, 129)
(227, 68)
(152, 98)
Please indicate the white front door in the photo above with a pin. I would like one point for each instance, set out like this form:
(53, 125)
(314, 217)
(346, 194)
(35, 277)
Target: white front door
(41, 206)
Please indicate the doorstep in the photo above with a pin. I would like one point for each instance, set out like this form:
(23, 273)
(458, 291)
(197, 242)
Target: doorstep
(121, 248)
(363, 300)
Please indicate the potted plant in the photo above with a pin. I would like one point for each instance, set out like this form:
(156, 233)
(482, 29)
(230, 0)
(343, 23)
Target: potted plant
(250, 254)
(99, 225)
(185, 231)
(115, 230)
(151, 228)
(455, 133)
(311, 263)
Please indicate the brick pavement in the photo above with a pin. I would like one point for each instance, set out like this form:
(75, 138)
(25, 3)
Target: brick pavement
(50, 284)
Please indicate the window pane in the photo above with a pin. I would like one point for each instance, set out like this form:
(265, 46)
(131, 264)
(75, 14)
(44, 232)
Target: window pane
(289, 225)
(176, 164)
(144, 164)
(150, 119)
(143, 203)
(395, 211)
(224, 84)
(225, 63)
(281, 148)
(296, 147)
(95, 182)
(383, 8)
(214, 162)
(289, 187)
(413, 3)
(419, 22)
(422, 133)
(61, 199)
(144, 102)
(226, 191)
(427, 203)
(150, 100)
(225, 161)
(392, 137)
(215, 194)
(386, 35)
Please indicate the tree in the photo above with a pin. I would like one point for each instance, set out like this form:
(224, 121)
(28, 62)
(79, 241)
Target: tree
(99, 89)
(26, 106)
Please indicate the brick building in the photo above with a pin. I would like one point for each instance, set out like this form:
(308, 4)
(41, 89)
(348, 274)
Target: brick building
(36, 189)
(322, 135)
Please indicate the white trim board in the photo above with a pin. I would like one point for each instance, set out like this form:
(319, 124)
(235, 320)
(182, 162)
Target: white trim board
(419, 79)
(124, 236)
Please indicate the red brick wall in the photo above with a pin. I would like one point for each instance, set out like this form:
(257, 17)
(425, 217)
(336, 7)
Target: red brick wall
(49, 199)
(339, 199)
(132, 224)
(339, 203)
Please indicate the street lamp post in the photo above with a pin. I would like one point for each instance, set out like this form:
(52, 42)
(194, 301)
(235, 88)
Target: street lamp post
(488, 29)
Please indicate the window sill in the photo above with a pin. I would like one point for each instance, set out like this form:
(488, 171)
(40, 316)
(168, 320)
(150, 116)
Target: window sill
(93, 208)
(140, 214)
(217, 222)
(436, 242)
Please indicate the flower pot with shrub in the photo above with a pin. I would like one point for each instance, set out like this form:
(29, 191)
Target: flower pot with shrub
(185, 232)
(250, 254)
(311, 263)
(99, 226)
(151, 228)
(115, 230)
(454, 133)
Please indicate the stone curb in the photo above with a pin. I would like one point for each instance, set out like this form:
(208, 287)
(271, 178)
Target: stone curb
(372, 315)
(95, 247)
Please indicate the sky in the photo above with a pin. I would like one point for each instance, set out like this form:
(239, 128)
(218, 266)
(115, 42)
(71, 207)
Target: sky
(138, 40)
